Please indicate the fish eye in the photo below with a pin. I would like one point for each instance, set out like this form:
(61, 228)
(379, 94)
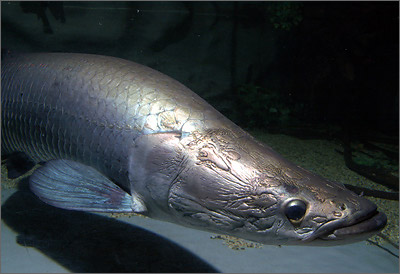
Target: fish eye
(295, 210)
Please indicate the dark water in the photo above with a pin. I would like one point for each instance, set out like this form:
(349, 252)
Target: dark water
(261, 64)
(311, 70)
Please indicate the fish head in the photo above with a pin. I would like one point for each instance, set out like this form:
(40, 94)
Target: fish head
(235, 185)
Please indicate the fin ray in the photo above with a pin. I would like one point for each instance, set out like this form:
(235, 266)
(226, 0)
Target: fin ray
(72, 185)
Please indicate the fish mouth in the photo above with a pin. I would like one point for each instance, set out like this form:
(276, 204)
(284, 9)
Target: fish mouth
(338, 232)
(370, 224)
(358, 229)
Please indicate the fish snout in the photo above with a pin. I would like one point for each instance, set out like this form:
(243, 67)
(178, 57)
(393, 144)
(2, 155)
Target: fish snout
(354, 219)
(363, 220)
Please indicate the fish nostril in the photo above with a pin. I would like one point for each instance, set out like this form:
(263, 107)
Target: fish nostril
(342, 207)
(337, 214)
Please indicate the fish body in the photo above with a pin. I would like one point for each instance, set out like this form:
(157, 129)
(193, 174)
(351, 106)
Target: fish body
(118, 136)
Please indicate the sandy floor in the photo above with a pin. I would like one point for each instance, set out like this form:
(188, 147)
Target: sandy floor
(39, 238)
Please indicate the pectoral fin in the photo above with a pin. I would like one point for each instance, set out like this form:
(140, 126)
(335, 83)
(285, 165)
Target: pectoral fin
(72, 185)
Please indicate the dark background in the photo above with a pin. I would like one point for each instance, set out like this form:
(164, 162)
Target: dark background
(311, 69)
(265, 65)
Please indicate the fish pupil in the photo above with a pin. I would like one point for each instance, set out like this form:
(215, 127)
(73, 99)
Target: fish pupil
(295, 210)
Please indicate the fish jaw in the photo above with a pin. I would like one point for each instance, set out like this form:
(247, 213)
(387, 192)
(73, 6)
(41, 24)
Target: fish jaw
(359, 227)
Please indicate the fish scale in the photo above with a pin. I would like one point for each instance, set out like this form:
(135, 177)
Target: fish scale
(95, 94)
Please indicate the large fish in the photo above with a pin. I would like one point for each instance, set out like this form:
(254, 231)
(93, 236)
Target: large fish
(117, 136)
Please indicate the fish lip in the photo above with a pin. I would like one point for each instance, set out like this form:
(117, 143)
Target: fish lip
(359, 226)
(357, 229)
(373, 222)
